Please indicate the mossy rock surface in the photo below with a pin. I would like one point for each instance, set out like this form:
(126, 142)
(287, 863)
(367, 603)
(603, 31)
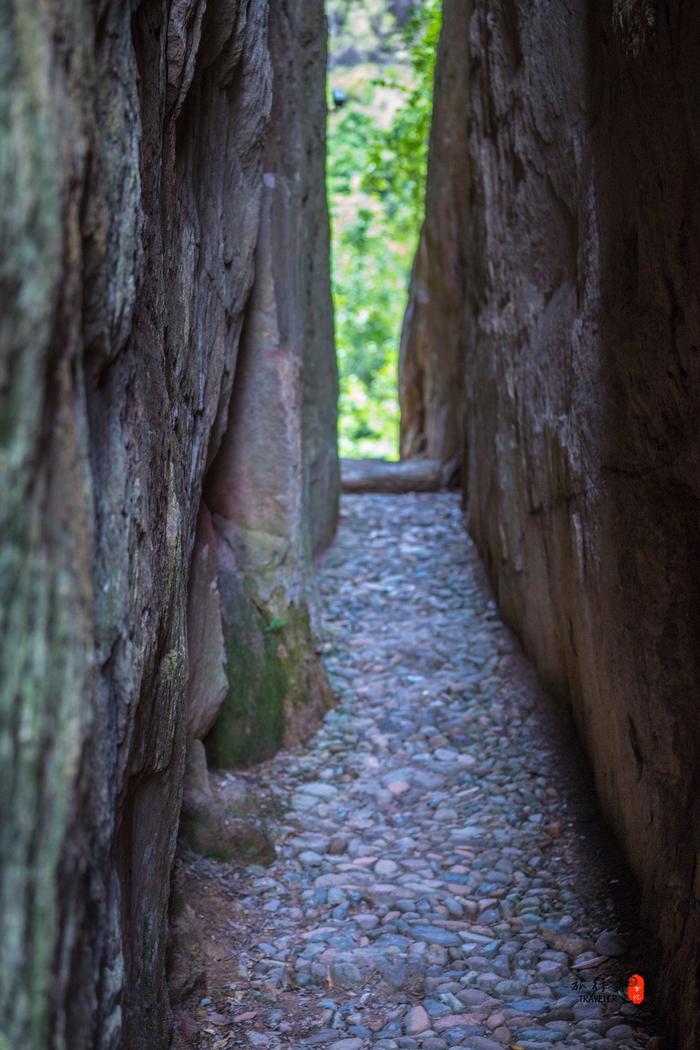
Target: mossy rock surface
(274, 675)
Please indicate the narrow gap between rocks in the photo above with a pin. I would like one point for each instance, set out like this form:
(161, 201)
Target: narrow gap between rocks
(443, 876)
(516, 253)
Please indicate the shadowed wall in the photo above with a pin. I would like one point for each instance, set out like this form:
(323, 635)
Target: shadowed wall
(581, 326)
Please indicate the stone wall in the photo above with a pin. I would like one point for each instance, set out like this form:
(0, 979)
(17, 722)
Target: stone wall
(273, 489)
(582, 328)
(132, 139)
(431, 353)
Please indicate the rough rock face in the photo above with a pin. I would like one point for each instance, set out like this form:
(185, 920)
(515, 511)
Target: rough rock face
(431, 354)
(300, 157)
(273, 488)
(132, 138)
(582, 325)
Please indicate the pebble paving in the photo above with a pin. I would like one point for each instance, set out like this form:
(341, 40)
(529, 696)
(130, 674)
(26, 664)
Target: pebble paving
(434, 885)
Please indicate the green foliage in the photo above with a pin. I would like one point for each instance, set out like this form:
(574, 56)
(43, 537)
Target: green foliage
(398, 157)
(378, 147)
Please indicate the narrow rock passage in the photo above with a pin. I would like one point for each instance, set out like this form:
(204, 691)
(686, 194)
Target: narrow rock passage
(442, 879)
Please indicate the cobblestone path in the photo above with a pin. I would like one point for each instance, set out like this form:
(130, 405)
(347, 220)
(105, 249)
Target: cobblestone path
(443, 879)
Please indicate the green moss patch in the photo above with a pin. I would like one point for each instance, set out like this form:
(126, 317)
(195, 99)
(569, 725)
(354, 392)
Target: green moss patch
(268, 668)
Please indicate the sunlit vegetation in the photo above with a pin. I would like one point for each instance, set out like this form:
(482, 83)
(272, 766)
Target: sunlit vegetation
(382, 59)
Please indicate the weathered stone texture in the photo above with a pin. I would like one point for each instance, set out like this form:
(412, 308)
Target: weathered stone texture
(207, 684)
(431, 354)
(582, 322)
(130, 181)
(304, 68)
(273, 488)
